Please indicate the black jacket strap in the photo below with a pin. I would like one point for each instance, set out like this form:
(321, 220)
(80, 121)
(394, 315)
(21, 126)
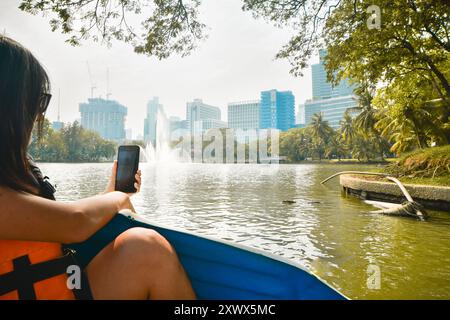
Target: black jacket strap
(25, 274)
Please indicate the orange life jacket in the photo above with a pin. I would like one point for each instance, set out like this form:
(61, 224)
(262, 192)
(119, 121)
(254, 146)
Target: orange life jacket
(37, 270)
(33, 270)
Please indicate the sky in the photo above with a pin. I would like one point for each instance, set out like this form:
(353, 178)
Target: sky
(235, 63)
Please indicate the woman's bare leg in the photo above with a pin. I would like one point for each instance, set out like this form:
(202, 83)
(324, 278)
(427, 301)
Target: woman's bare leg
(138, 264)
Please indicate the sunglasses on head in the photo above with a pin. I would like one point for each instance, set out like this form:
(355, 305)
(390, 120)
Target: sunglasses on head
(45, 101)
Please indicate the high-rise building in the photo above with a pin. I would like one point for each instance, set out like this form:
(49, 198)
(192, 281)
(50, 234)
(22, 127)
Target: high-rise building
(277, 110)
(129, 134)
(331, 101)
(244, 114)
(300, 118)
(201, 126)
(178, 127)
(107, 117)
(332, 109)
(57, 125)
(197, 110)
(174, 122)
(153, 108)
(322, 89)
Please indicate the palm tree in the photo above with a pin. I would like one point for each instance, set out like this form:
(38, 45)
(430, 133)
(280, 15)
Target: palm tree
(367, 117)
(320, 132)
(347, 129)
(402, 128)
(305, 146)
(335, 147)
(366, 122)
(361, 149)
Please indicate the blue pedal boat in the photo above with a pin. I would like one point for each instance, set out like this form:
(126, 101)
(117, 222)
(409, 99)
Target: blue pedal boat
(221, 270)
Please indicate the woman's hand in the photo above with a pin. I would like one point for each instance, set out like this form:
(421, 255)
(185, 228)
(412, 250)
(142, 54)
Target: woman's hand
(112, 180)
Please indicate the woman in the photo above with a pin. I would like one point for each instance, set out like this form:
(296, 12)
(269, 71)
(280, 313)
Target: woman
(138, 264)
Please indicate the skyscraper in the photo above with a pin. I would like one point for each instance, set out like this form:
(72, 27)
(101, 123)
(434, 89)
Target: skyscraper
(300, 118)
(197, 110)
(322, 89)
(178, 127)
(57, 125)
(201, 126)
(153, 108)
(331, 102)
(332, 109)
(129, 134)
(277, 110)
(243, 115)
(107, 117)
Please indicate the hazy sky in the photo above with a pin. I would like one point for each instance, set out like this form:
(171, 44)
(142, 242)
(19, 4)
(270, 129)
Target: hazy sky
(235, 63)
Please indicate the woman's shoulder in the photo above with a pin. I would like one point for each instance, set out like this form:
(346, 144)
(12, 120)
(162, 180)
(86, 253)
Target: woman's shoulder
(5, 190)
(8, 194)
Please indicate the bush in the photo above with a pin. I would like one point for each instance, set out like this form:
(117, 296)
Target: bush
(424, 163)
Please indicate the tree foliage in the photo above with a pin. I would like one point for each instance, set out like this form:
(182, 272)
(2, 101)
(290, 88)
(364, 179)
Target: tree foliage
(71, 144)
(166, 26)
(404, 67)
(318, 141)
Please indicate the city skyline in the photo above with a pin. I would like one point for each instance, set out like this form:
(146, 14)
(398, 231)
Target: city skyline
(212, 72)
(330, 101)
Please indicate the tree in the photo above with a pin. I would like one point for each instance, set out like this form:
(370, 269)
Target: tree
(367, 114)
(169, 26)
(409, 118)
(413, 38)
(39, 141)
(335, 147)
(407, 58)
(294, 144)
(320, 132)
(55, 150)
(362, 149)
(347, 129)
(173, 26)
(71, 135)
(72, 144)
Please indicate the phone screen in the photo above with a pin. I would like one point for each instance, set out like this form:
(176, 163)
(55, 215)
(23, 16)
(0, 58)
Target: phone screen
(127, 166)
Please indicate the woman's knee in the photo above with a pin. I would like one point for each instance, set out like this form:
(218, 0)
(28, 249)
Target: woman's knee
(137, 264)
(144, 245)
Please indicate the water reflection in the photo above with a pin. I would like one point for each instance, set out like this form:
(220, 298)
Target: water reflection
(325, 231)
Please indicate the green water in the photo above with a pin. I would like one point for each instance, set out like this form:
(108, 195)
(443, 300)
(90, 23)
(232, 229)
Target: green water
(332, 235)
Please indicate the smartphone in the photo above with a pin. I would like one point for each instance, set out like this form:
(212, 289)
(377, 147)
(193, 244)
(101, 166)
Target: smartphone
(127, 166)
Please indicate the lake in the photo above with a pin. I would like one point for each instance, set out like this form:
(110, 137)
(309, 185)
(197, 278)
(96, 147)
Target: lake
(333, 236)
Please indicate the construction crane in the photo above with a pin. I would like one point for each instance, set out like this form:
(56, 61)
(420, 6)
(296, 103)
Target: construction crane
(93, 87)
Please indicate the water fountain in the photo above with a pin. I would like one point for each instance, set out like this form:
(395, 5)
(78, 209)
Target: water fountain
(161, 151)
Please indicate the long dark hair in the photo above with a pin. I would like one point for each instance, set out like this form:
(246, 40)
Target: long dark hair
(24, 97)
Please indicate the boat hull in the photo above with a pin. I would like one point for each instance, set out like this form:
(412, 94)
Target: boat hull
(220, 270)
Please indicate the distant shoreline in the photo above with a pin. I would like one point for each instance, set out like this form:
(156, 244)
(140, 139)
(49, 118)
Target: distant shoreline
(347, 162)
(328, 162)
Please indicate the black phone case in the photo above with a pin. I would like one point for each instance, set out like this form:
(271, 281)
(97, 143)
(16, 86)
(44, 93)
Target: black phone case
(130, 188)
